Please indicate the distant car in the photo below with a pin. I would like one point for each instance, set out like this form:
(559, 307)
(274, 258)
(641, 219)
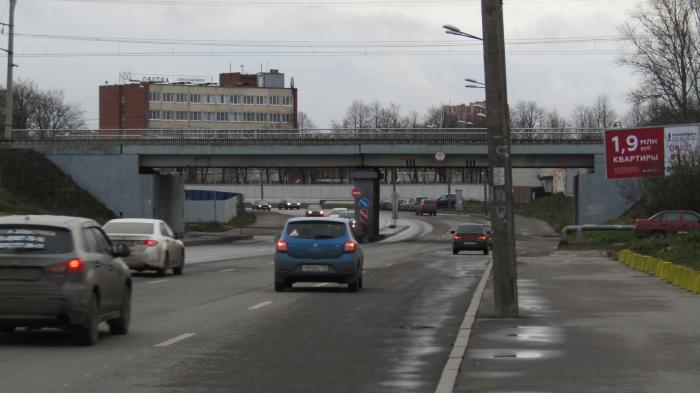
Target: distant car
(348, 215)
(489, 234)
(402, 204)
(261, 205)
(339, 210)
(446, 201)
(665, 222)
(470, 237)
(286, 205)
(152, 244)
(413, 206)
(318, 250)
(426, 206)
(62, 272)
(385, 204)
(314, 211)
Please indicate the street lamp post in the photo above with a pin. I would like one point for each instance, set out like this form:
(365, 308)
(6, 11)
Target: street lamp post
(500, 168)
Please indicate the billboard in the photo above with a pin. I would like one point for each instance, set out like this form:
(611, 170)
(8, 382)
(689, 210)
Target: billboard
(681, 142)
(635, 153)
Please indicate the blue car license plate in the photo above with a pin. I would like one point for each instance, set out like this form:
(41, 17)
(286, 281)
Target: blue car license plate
(314, 268)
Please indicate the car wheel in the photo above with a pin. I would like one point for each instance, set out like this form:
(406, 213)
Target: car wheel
(160, 272)
(279, 286)
(658, 234)
(360, 283)
(354, 284)
(120, 325)
(486, 251)
(178, 270)
(88, 333)
(6, 328)
(455, 251)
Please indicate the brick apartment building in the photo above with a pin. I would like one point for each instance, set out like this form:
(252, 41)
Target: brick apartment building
(462, 116)
(238, 102)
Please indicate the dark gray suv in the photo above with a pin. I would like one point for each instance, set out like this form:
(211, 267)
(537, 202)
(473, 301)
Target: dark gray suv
(62, 272)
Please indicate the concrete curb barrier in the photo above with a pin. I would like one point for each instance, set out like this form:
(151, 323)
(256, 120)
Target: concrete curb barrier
(678, 275)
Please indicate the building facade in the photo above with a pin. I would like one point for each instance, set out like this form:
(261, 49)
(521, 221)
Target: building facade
(237, 102)
(462, 116)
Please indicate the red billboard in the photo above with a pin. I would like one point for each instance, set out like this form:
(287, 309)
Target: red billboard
(634, 153)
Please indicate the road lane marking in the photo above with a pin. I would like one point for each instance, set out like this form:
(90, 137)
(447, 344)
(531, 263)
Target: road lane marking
(323, 284)
(259, 305)
(454, 362)
(227, 270)
(174, 340)
(157, 281)
(270, 263)
(388, 264)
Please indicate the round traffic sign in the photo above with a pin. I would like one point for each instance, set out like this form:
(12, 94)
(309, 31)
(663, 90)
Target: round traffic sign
(357, 193)
(440, 156)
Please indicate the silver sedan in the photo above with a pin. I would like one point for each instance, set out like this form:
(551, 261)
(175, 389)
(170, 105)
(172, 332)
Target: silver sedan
(152, 243)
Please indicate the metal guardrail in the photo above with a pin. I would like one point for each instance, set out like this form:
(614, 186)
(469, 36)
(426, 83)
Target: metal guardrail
(302, 137)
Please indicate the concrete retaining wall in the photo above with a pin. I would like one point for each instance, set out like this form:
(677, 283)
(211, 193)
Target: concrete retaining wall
(210, 211)
(600, 199)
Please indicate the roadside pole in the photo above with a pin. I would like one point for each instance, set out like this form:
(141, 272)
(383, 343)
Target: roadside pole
(10, 66)
(500, 169)
(394, 205)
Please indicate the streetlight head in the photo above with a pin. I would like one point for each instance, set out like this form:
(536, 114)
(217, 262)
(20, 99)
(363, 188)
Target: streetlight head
(451, 28)
(474, 86)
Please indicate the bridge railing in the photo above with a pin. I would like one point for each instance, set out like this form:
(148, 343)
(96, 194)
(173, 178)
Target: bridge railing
(440, 136)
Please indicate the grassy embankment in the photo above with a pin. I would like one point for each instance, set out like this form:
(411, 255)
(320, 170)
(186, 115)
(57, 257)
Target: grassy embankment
(243, 221)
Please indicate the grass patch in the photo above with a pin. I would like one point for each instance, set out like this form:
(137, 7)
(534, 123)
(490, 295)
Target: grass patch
(616, 239)
(557, 210)
(245, 220)
(681, 248)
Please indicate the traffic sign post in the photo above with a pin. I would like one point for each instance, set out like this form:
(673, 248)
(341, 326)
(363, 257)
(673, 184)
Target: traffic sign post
(356, 193)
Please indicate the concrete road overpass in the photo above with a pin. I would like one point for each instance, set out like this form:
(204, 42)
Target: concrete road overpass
(115, 165)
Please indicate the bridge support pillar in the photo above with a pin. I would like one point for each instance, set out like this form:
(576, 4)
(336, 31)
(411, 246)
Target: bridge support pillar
(367, 207)
(169, 201)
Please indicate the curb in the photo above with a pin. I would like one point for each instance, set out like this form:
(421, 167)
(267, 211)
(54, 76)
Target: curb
(209, 240)
(678, 275)
(459, 348)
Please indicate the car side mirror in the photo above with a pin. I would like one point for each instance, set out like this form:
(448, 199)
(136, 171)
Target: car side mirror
(452, 232)
(121, 250)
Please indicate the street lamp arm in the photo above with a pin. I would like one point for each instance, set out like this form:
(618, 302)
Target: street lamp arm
(475, 86)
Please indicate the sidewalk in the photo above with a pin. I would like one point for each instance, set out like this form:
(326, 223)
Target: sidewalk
(588, 324)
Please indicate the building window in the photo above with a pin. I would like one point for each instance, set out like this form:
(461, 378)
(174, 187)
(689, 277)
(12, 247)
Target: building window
(274, 117)
(234, 116)
(221, 116)
(235, 100)
(195, 98)
(154, 96)
(181, 115)
(248, 100)
(274, 100)
(153, 115)
(222, 99)
(123, 98)
(261, 117)
(287, 101)
(209, 99)
(260, 100)
(209, 116)
(196, 116)
(181, 97)
(167, 97)
(248, 116)
(168, 115)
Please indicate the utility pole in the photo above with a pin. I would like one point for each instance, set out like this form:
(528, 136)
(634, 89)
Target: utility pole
(10, 66)
(500, 169)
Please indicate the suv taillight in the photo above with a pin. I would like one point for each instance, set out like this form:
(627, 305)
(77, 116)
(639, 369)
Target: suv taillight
(455, 237)
(74, 266)
(350, 247)
(483, 237)
(150, 243)
(282, 247)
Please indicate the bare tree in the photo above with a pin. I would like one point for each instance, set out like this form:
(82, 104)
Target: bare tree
(37, 109)
(527, 114)
(305, 123)
(582, 117)
(434, 117)
(602, 114)
(664, 38)
(554, 120)
(357, 116)
(411, 120)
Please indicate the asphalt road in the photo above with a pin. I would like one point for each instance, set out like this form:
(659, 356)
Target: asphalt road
(221, 327)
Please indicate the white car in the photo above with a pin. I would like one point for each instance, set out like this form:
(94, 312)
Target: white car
(152, 243)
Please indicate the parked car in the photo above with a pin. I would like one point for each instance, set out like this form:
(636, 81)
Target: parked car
(339, 210)
(446, 201)
(314, 211)
(426, 206)
(261, 205)
(470, 237)
(413, 206)
(489, 234)
(152, 244)
(318, 250)
(403, 204)
(52, 269)
(286, 205)
(348, 215)
(665, 222)
(385, 204)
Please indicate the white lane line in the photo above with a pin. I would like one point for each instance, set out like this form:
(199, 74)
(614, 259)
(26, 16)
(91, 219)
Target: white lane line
(388, 264)
(364, 271)
(259, 305)
(271, 263)
(227, 270)
(323, 284)
(454, 362)
(157, 281)
(174, 340)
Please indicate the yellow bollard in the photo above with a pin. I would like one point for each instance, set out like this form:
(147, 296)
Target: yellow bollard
(686, 278)
(696, 283)
(658, 272)
(666, 271)
(675, 274)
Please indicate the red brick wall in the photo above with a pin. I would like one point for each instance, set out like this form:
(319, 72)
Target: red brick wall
(236, 79)
(131, 112)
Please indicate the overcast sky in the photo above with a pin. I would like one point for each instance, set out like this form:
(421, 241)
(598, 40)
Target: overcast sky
(227, 33)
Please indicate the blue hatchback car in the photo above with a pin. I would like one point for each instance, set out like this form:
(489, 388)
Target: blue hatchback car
(318, 250)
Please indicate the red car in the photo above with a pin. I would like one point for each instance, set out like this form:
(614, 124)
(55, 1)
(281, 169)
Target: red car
(665, 222)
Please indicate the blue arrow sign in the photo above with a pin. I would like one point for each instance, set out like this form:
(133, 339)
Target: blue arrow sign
(363, 203)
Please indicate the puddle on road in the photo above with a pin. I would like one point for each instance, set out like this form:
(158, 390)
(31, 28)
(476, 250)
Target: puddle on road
(512, 354)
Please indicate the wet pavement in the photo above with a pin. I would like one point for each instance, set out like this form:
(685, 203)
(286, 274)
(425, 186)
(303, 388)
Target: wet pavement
(587, 324)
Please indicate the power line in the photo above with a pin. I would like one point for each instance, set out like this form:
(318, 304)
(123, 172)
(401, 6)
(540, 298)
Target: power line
(320, 3)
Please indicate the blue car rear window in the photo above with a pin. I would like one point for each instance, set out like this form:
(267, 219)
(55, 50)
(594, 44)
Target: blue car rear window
(315, 230)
